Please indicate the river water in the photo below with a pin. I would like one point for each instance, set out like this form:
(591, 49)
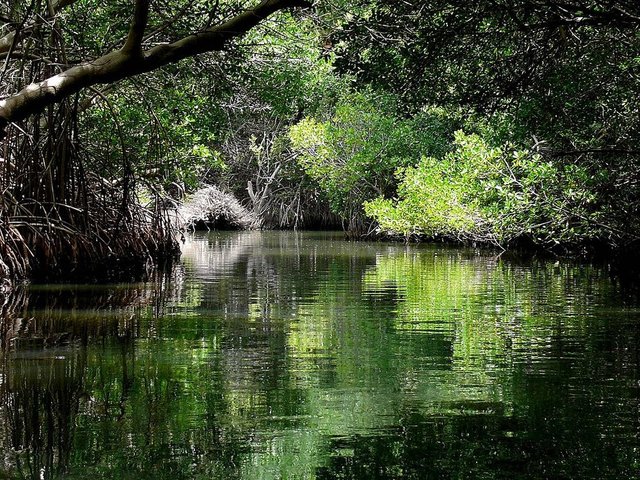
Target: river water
(279, 355)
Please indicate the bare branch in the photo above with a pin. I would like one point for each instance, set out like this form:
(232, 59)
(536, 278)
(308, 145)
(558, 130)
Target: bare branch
(8, 40)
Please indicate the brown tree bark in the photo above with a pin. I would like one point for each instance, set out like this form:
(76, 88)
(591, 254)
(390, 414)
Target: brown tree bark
(132, 60)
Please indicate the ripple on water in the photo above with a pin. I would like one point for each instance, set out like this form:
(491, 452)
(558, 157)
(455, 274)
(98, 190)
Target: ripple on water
(300, 355)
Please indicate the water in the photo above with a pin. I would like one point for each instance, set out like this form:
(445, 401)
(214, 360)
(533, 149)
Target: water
(293, 356)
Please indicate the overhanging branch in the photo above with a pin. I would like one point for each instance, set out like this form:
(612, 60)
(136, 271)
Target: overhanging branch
(121, 64)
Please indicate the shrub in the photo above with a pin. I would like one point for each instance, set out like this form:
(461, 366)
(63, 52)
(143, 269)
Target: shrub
(491, 194)
(353, 155)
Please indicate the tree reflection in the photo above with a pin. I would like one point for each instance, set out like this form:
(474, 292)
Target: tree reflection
(47, 368)
(285, 356)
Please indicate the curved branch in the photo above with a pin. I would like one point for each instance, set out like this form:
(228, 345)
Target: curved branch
(122, 64)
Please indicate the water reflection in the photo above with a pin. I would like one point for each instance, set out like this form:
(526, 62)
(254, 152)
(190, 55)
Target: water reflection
(282, 355)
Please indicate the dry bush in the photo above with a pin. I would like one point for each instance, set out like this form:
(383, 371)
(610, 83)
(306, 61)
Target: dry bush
(209, 207)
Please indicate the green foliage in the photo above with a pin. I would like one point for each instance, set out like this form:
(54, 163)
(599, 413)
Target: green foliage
(560, 75)
(287, 72)
(353, 154)
(491, 194)
(164, 139)
(198, 124)
(302, 114)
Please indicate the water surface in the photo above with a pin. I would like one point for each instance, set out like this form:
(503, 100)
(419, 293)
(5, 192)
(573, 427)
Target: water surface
(278, 355)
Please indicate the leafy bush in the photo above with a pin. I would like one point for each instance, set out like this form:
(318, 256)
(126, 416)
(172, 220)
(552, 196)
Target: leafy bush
(492, 194)
(353, 155)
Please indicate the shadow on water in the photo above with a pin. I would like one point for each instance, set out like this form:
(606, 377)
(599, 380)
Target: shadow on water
(44, 368)
(282, 355)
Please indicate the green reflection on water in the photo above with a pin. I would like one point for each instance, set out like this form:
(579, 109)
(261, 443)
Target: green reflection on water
(283, 355)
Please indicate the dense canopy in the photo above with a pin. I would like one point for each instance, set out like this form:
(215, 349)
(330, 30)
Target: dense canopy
(487, 121)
